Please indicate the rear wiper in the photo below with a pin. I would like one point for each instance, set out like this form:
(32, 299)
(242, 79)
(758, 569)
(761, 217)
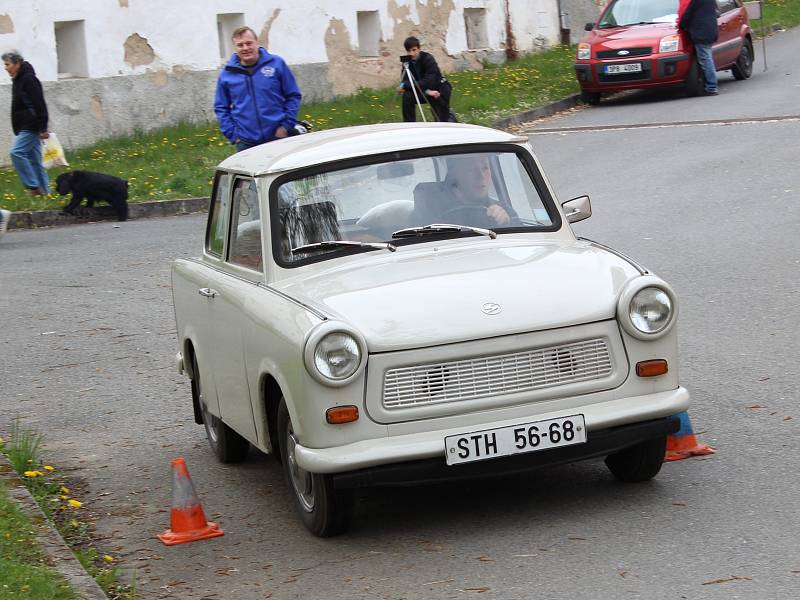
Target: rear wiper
(441, 228)
(339, 243)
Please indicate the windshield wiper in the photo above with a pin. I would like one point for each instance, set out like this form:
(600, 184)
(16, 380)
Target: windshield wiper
(441, 228)
(339, 243)
(640, 23)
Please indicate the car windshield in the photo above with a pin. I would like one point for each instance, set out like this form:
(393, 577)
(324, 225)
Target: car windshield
(622, 13)
(391, 201)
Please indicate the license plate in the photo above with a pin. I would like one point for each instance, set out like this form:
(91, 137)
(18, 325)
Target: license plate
(628, 68)
(515, 439)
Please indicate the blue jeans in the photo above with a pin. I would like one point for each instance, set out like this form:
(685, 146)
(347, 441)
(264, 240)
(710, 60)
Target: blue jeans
(706, 61)
(245, 144)
(26, 154)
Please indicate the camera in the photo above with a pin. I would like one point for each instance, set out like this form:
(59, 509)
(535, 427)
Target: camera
(404, 58)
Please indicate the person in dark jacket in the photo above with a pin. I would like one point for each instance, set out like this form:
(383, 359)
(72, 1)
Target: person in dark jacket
(431, 86)
(257, 97)
(29, 123)
(699, 20)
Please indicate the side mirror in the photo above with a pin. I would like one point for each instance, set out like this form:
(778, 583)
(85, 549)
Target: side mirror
(588, 27)
(577, 209)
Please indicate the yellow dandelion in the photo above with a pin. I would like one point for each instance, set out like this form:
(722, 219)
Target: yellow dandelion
(64, 497)
(64, 490)
(49, 468)
(75, 504)
(33, 474)
(108, 558)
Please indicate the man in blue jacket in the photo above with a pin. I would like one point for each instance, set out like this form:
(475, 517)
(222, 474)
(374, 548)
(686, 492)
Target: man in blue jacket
(700, 21)
(257, 97)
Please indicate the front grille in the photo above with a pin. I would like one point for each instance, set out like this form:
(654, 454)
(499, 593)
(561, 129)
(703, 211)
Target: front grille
(631, 52)
(437, 383)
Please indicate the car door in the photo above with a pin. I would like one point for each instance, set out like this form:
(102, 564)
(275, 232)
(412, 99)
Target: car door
(729, 43)
(231, 286)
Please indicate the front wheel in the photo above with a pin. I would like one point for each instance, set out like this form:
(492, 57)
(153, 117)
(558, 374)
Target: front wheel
(695, 81)
(640, 462)
(743, 67)
(592, 98)
(228, 445)
(324, 511)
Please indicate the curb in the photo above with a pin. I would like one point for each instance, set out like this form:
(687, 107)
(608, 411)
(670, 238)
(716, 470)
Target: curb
(539, 113)
(137, 210)
(61, 558)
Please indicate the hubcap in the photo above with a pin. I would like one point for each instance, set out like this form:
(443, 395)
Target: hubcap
(301, 479)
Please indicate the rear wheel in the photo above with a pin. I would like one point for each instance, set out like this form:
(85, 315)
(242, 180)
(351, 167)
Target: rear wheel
(695, 82)
(592, 98)
(743, 67)
(640, 462)
(323, 510)
(228, 445)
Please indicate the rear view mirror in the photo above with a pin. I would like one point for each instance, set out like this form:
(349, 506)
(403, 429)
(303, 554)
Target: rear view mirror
(394, 170)
(588, 27)
(577, 209)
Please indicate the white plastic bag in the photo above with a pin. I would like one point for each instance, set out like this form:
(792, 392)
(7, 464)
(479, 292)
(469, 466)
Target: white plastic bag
(53, 153)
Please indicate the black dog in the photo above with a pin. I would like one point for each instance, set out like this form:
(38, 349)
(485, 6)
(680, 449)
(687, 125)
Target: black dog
(94, 187)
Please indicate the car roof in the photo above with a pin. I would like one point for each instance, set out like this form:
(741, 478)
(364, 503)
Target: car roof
(336, 144)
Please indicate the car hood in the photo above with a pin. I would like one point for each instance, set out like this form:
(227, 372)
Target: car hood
(635, 36)
(426, 296)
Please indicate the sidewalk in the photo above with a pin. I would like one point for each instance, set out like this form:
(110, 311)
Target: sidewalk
(165, 208)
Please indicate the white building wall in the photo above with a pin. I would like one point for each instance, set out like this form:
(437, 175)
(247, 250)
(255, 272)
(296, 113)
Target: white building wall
(151, 63)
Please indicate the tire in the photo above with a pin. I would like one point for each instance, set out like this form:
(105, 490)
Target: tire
(695, 81)
(743, 67)
(592, 98)
(638, 463)
(228, 445)
(324, 511)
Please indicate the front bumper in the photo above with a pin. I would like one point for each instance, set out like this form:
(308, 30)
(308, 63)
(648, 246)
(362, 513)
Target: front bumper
(601, 443)
(430, 444)
(655, 71)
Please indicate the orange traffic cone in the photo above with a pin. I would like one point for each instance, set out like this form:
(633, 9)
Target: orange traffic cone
(684, 444)
(187, 519)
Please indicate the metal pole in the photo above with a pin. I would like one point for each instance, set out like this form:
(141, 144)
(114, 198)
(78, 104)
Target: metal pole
(414, 89)
(763, 35)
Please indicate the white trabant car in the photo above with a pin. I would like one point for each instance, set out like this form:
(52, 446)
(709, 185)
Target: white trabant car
(408, 302)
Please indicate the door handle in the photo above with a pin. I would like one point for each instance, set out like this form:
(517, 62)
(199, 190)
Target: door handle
(207, 292)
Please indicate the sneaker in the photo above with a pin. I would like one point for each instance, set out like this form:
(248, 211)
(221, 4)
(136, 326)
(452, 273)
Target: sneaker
(5, 217)
(712, 92)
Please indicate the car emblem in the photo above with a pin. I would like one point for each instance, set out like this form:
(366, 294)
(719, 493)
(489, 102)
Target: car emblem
(623, 53)
(490, 308)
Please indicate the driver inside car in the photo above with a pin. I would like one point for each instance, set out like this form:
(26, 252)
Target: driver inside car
(463, 198)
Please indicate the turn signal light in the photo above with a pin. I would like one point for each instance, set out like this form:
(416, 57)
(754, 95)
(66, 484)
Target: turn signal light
(651, 368)
(341, 414)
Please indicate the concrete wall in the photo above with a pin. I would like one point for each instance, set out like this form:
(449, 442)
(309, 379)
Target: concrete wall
(576, 13)
(150, 63)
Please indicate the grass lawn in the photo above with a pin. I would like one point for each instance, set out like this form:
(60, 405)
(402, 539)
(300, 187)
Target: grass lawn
(778, 12)
(178, 162)
(23, 570)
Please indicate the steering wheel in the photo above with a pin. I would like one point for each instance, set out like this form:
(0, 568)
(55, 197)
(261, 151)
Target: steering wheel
(473, 215)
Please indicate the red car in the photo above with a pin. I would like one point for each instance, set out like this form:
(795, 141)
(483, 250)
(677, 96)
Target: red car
(636, 44)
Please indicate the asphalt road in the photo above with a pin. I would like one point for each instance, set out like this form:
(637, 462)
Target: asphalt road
(87, 358)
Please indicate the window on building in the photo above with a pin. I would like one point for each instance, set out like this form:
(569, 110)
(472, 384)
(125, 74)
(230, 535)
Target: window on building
(227, 23)
(369, 32)
(475, 23)
(71, 49)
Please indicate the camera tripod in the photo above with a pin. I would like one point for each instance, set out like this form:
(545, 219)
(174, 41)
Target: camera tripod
(417, 92)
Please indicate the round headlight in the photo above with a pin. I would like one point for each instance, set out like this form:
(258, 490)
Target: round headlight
(650, 310)
(337, 356)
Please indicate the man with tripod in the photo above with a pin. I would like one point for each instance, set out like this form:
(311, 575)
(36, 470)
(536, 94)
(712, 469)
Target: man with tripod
(421, 74)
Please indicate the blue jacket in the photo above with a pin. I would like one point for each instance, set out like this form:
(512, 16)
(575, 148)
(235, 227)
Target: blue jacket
(252, 102)
(700, 20)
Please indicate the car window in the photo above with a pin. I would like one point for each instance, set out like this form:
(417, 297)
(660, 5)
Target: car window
(217, 216)
(724, 6)
(631, 12)
(368, 203)
(244, 247)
